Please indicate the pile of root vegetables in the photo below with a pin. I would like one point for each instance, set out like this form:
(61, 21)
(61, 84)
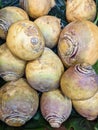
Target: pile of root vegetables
(29, 65)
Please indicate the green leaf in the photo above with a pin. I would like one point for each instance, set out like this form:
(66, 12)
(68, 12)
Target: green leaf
(96, 129)
(38, 129)
(79, 123)
(0, 4)
(96, 20)
(95, 66)
(97, 4)
(2, 126)
(37, 122)
(96, 125)
(37, 115)
(33, 128)
(5, 3)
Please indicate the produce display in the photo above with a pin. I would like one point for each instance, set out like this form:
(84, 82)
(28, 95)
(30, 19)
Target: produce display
(49, 65)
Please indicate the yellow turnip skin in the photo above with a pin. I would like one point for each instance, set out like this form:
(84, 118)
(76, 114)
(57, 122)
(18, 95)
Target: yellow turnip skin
(37, 8)
(44, 73)
(80, 9)
(50, 28)
(78, 43)
(25, 40)
(18, 102)
(11, 67)
(55, 107)
(8, 16)
(87, 108)
(79, 82)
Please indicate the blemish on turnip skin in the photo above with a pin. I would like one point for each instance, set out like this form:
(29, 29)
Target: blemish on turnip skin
(34, 40)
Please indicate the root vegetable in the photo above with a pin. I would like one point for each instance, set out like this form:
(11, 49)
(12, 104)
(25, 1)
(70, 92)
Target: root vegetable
(79, 82)
(11, 67)
(78, 43)
(50, 28)
(25, 40)
(44, 73)
(80, 9)
(37, 8)
(18, 102)
(87, 108)
(8, 16)
(55, 107)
